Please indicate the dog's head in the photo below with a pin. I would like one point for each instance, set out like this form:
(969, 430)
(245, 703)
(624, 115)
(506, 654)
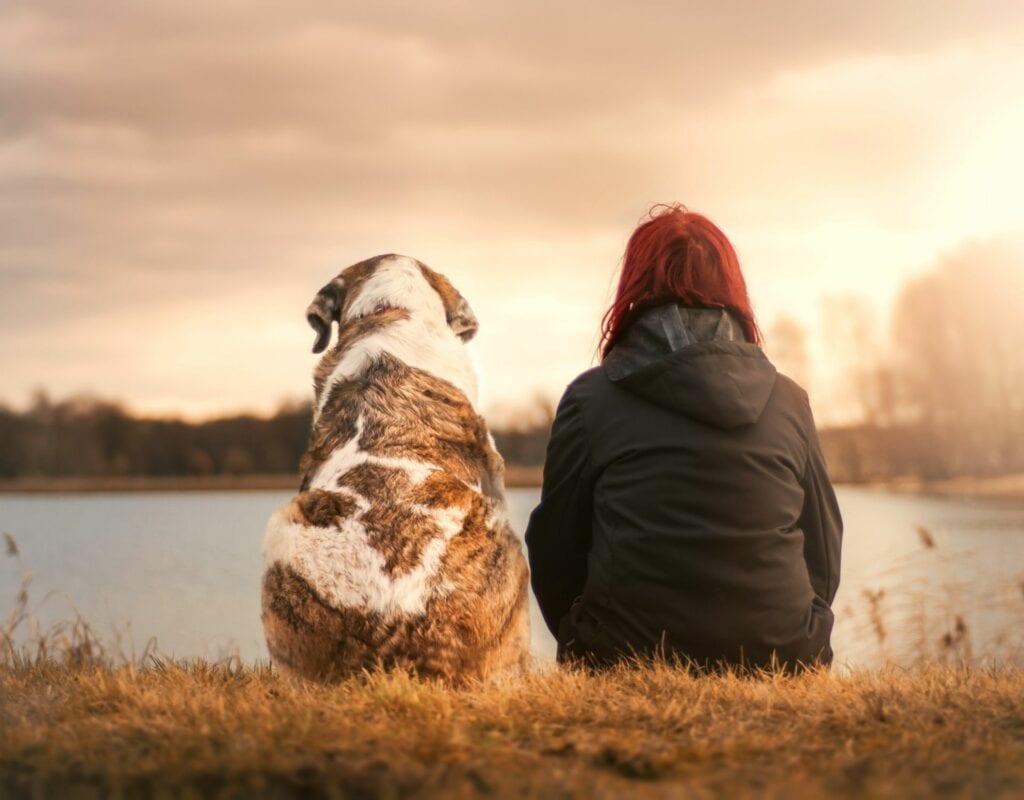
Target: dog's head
(387, 283)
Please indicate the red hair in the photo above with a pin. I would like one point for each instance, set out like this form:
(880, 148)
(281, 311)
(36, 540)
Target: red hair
(682, 257)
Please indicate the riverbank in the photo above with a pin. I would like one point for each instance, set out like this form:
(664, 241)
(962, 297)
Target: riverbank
(999, 487)
(232, 731)
(515, 477)
(1003, 487)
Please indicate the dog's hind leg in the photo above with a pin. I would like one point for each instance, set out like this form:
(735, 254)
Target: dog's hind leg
(511, 657)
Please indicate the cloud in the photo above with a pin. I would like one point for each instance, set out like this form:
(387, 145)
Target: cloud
(165, 162)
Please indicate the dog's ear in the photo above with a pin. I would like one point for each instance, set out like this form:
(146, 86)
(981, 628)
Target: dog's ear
(458, 314)
(462, 320)
(325, 309)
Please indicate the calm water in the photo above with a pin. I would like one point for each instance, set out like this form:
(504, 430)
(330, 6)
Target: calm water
(185, 569)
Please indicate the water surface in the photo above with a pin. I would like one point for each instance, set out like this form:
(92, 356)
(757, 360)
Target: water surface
(185, 568)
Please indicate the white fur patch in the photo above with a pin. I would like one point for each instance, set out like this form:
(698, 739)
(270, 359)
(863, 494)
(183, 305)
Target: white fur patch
(340, 563)
(398, 281)
(348, 572)
(424, 341)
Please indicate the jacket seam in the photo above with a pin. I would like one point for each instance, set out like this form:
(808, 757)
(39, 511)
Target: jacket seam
(820, 530)
(578, 407)
(588, 466)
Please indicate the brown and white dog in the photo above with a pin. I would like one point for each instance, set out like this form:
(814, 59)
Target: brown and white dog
(397, 551)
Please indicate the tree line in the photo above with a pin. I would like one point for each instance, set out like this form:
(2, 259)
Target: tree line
(87, 437)
(83, 437)
(938, 392)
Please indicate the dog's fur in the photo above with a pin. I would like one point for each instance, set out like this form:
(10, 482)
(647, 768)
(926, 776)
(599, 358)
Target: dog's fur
(397, 551)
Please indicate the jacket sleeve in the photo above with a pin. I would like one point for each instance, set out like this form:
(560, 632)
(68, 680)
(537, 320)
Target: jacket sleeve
(558, 534)
(821, 523)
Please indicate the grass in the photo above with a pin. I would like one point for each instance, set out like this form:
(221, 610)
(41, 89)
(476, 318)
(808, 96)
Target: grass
(227, 730)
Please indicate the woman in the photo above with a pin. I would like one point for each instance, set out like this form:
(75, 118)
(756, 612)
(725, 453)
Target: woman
(686, 510)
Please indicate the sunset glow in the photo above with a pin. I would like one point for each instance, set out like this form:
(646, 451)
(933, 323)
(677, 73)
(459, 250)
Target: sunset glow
(179, 181)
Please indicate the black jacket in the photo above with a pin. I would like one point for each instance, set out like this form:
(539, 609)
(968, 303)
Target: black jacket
(686, 508)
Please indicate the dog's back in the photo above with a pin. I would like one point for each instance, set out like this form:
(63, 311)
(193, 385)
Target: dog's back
(397, 551)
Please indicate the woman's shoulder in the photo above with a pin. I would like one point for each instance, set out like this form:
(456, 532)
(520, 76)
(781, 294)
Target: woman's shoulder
(790, 389)
(582, 394)
(587, 385)
(792, 400)
(585, 379)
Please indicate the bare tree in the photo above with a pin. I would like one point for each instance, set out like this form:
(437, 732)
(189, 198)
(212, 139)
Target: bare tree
(958, 332)
(862, 376)
(786, 343)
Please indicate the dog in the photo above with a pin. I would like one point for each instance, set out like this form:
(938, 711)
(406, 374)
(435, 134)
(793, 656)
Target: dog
(397, 551)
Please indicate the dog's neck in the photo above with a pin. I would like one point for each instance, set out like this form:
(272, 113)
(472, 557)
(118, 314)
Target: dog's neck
(418, 341)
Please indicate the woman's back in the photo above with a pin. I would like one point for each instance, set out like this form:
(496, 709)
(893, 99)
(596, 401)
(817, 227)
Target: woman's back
(686, 473)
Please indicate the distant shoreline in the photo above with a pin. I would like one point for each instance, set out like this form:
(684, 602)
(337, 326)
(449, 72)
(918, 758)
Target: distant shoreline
(1004, 487)
(999, 487)
(515, 477)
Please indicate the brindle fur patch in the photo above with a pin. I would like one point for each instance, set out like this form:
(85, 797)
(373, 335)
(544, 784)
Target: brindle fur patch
(397, 532)
(350, 332)
(456, 309)
(449, 295)
(324, 509)
(406, 413)
(466, 636)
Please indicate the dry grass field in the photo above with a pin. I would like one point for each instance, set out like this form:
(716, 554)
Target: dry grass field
(227, 730)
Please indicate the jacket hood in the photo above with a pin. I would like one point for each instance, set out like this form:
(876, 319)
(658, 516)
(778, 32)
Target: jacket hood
(695, 361)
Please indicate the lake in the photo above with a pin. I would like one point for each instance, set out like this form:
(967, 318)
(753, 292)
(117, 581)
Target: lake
(185, 568)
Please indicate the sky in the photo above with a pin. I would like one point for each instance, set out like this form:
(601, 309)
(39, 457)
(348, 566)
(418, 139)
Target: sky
(177, 179)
